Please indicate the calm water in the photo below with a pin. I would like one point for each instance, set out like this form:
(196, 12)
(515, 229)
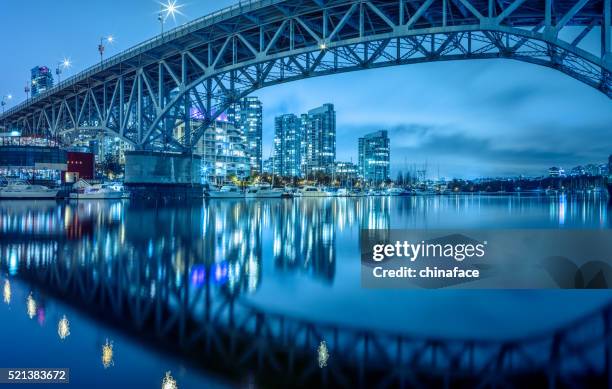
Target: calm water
(298, 258)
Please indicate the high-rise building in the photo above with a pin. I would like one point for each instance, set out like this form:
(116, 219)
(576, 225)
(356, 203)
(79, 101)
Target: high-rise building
(374, 157)
(268, 166)
(247, 115)
(42, 80)
(223, 151)
(288, 145)
(320, 140)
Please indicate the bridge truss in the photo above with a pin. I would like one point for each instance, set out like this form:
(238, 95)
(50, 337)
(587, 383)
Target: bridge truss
(164, 93)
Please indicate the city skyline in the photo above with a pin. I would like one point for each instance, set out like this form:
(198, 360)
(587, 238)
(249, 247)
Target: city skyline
(472, 118)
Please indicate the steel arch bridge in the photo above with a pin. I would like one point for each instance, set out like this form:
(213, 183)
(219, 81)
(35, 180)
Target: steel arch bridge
(163, 93)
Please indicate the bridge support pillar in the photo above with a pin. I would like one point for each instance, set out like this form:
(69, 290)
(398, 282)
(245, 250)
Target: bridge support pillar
(163, 176)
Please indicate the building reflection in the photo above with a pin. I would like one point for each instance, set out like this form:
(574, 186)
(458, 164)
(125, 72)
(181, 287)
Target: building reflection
(189, 245)
(231, 244)
(304, 237)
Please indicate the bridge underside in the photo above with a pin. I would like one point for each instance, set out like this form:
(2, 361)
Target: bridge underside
(167, 95)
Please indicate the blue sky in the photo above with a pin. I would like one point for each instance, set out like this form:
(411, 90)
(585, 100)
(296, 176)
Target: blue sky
(469, 118)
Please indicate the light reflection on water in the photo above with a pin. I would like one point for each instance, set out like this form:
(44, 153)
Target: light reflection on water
(301, 257)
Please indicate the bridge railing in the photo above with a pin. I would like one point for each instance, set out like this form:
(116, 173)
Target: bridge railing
(151, 43)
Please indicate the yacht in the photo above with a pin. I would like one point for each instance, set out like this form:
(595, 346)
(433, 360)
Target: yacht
(331, 192)
(22, 190)
(343, 192)
(96, 192)
(312, 191)
(396, 192)
(226, 192)
(263, 191)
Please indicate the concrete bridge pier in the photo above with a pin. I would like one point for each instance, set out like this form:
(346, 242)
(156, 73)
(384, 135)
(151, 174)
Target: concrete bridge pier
(163, 176)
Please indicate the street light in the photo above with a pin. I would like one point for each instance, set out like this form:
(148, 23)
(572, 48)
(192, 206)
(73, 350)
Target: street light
(166, 10)
(108, 39)
(27, 89)
(4, 100)
(65, 64)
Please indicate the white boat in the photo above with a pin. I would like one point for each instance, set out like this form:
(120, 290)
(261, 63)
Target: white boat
(396, 192)
(22, 190)
(263, 191)
(343, 192)
(226, 192)
(312, 191)
(85, 191)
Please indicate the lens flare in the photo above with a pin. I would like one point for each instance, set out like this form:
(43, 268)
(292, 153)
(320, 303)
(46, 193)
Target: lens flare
(7, 292)
(107, 354)
(171, 9)
(63, 328)
(31, 306)
(169, 382)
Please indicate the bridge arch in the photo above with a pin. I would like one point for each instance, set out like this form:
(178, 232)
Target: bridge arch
(165, 92)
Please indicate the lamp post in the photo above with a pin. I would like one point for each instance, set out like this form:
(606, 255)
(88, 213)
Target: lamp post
(27, 89)
(165, 11)
(160, 18)
(65, 64)
(108, 39)
(4, 100)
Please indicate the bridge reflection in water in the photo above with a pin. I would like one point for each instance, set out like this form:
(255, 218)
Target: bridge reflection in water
(176, 277)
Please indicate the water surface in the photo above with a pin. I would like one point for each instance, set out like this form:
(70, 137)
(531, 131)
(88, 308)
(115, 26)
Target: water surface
(298, 258)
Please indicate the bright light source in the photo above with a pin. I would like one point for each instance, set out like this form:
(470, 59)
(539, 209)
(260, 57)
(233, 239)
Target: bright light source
(323, 46)
(66, 63)
(110, 39)
(171, 8)
(9, 96)
(63, 328)
(15, 133)
(107, 354)
(169, 382)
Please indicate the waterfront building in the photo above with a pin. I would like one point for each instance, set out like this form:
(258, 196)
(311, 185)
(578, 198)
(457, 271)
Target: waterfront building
(80, 165)
(288, 146)
(578, 171)
(42, 80)
(247, 115)
(346, 171)
(111, 148)
(224, 153)
(556, 172)
(268, 166)
(319, 147)
(32, 163)
(593, 170)
(374, 157)
(603, 169)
